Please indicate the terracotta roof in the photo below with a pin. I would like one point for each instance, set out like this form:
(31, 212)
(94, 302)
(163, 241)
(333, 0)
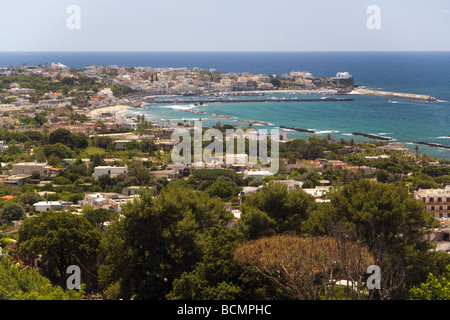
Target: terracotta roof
(7, 197)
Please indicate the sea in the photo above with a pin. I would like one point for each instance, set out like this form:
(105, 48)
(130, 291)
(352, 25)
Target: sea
(402, 120)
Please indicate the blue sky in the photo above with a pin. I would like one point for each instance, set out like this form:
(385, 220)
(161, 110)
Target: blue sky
(219, 25)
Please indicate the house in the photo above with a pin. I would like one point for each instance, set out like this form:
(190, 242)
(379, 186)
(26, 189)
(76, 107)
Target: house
(436, 201)
(121, 145)
(441, 237)
(131, 191)
(248, 190)
(106, 200)
(28, 168)
(168, 174)
(15, 180)
(291, 184)
(258, 175)
(95, 199)
(47, 205)
(317, 192)
(111, 171)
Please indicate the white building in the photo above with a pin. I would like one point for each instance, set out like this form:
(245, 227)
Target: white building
(111, 171)
(47, 205)
(259, 175)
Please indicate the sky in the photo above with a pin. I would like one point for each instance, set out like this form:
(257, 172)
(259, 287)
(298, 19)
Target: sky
(224, 25)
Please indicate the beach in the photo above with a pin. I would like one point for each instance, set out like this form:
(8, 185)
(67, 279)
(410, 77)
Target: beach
(117, 111)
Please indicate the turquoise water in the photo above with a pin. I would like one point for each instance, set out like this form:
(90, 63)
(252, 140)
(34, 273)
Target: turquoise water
(402, 120)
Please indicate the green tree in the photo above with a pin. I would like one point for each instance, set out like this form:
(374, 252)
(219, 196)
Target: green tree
(435, 288)
(11, 211)
(99, 217)
(61, 239)
(222, 189)
(157, 240)
(275, 210)
(18, 282)
(220, 276)
(30, 198)
(387, 219)
(62, 136)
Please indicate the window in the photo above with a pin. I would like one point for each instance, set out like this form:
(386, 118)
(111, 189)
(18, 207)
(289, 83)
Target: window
(431, 200)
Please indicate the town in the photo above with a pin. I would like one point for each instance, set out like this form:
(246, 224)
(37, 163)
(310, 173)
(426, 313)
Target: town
(69, 146)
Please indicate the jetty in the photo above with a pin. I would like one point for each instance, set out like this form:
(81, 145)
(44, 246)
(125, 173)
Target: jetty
(434, 145)
(371, 136)
(389, 94)
(192, 111)
(297, 129)
(255, 122)
(169, 101)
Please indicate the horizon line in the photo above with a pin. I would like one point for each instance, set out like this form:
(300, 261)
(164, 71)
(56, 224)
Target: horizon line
(213, 51)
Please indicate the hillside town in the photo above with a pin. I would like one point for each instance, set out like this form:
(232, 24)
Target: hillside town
(69, 145)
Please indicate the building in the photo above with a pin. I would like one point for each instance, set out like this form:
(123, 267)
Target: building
(291, 184)
(121, 145)
(343, 79)
(436, 201)
(132, 190)
(111, 171)
(47, 205)
(168, 174)
(106, 200)
(27, 168)
(258, 175)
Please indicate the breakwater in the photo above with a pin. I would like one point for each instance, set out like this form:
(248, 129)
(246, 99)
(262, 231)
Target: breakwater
(400, 95)
(297, 129)
(170, 101)
(435, 145)
(371, 136)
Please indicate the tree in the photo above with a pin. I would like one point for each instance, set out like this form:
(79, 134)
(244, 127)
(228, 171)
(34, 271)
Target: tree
(382, 175)
(62, 136)
(11, 211)
(99, 217)
(387, 219)
(222, 189)
(40, 119)
(220, 276)
(18, 282)
(30, 198)
(275, 210)
(306, 268)
(103, 142)
(435, 288)
(61, 239)
(157, 240)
